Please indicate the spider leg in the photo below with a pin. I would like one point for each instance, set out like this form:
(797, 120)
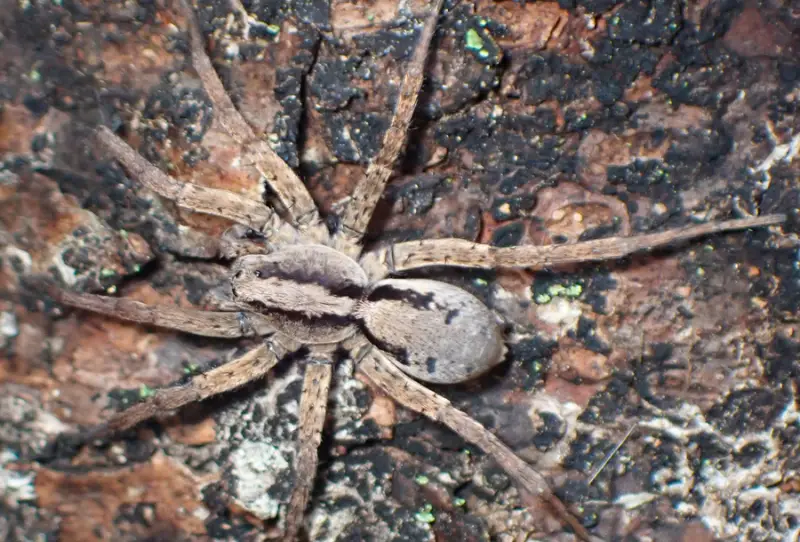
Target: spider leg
(358, 210)
(313, 407)
(378, 367)
(292, 197)
(252, 365)
(462, 253)
(201, 199)
(197, 322)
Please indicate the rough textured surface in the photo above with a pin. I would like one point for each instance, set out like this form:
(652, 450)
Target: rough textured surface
(540, 122)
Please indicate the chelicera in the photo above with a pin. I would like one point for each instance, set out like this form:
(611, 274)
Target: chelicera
(309, 291)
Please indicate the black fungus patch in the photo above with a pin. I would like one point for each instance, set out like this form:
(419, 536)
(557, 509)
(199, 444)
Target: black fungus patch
(599, 232)
(63, 448)
(398, 42)
(587, 452)
(356, 137)
(709, 447)
(750, 454)
(531, 360)
(445, 439)
(661, 454)
(311, 12)
(196, 287)
(550, 433)
(615, 66)
(591, 6)
(650, 178)
(106, 191)
(703, 75)
(610, 404)
(510, 148)
(782, 359)
(373, 460)
(330, 83)
(586, 333)
(747, 410)
(221, 523)
(418, 195)
(508, 235)
(287, 123)
(781, 269)
(646, 22)
(549, 76)
(186, 110)
(652, 373)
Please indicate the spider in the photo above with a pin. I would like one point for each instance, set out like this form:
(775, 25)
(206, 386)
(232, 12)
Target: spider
(308, 290)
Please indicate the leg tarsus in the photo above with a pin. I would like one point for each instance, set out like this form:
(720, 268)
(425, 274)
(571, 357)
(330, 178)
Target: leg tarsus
(313, 407)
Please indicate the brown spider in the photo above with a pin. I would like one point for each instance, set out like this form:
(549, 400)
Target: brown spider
(309, 291)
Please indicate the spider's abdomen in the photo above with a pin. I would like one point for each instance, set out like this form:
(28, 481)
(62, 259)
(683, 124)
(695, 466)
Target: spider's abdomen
(311, 289)
(436, 332)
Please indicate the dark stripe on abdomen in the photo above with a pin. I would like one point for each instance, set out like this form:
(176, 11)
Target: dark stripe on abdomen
(388, 292)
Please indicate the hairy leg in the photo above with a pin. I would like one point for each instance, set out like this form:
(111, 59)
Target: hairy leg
(293, 199)
(252, 365)
(358, 210)
(462, 253)
(383, 373)
(197, 322)
(201, 199)
(313, 407)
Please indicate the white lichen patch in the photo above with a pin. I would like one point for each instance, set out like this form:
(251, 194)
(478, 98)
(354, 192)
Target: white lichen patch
(255, 465)
(8, 328)
(15, 486)
(67, 273)
(631, 501)
(261, 433)
(561, 312)
(29, 417)
(781, 152)
(18, 258)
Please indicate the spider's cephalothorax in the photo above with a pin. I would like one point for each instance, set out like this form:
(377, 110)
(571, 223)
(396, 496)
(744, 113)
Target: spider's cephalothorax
(311, 290)
(306, 289)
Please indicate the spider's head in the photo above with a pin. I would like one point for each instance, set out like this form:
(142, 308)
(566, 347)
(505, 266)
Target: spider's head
(261, 282)
(247, 276)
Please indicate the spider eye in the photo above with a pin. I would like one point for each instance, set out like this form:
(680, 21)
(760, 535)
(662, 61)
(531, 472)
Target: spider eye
(257, 274)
